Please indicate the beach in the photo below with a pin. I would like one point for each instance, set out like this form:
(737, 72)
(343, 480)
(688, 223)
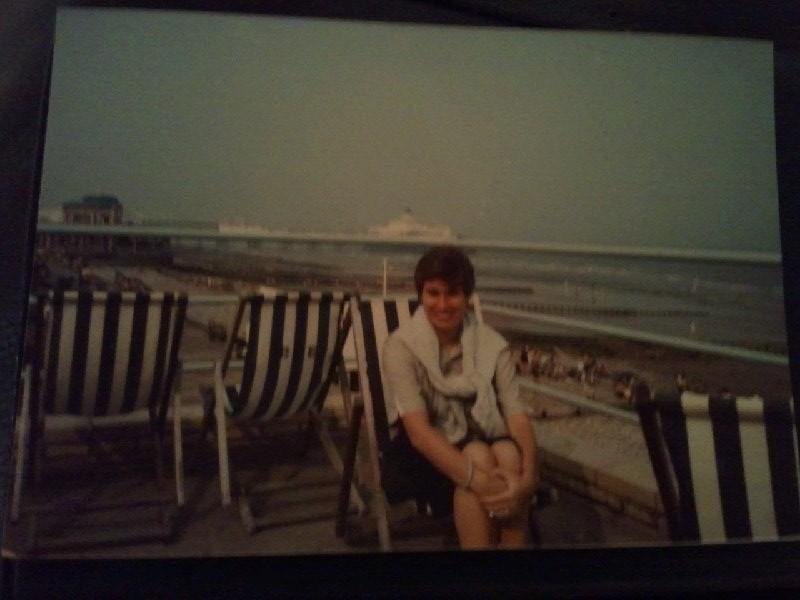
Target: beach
(659, 365)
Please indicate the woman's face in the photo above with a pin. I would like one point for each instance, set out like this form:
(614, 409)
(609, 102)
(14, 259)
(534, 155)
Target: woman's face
(444, 306)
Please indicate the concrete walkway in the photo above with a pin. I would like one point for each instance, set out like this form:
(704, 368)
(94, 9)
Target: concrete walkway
(600, 457)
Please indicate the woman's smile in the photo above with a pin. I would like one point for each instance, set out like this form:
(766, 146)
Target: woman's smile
(444, 306)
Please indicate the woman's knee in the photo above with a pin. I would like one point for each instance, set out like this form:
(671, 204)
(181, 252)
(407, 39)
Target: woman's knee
(507, 455)
(481, 454)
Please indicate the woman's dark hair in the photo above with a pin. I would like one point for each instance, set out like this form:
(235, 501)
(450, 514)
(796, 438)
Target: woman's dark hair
(448, 263)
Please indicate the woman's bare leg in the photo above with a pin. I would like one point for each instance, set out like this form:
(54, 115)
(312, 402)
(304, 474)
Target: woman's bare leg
(475, 529)
(513, 531)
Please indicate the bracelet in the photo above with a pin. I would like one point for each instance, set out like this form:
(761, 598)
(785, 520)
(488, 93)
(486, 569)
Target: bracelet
(470, 473)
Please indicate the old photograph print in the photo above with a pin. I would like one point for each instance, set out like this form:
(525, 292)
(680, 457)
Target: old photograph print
(216, 188)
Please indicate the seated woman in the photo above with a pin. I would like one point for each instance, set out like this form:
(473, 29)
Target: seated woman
(463, 441)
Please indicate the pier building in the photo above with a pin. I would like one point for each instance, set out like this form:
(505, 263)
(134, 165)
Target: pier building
(89, 210)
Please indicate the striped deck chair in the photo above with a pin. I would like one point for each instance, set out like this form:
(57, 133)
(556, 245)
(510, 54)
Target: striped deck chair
(374, 318)
(100, 356)
(726, 467)
(293, 348)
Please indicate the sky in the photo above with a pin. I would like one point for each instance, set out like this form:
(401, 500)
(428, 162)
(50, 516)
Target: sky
(606, 138)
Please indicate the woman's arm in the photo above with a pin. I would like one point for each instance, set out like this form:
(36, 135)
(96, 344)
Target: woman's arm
(428, 441)
(517, 421)
(520, 429)
(403, 388)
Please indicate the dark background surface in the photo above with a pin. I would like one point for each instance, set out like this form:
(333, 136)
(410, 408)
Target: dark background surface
(26, 30)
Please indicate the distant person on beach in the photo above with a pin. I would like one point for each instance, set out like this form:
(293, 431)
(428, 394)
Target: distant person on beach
(523, 363)
(587, 368)
(545, 364)
(87, 278)
(464, 443)
(533, 361)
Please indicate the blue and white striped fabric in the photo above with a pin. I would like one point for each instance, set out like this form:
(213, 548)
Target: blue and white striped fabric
(293, 344)
(108, 353)
(735, 466)
(377, 318)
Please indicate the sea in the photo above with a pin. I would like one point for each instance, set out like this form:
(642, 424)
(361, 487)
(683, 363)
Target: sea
(738, 304)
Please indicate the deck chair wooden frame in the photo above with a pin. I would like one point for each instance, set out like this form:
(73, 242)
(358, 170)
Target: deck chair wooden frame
(99, 356)
(726, 467)
(293, 349)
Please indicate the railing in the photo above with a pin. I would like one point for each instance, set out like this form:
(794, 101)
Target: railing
(642, 336)
(579, 401)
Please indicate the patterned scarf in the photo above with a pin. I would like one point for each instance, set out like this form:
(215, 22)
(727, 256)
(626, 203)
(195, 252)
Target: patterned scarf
(480, 347)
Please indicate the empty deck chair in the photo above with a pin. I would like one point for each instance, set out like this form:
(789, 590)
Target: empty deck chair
(100, 357)
(726, 467)
(293, 349)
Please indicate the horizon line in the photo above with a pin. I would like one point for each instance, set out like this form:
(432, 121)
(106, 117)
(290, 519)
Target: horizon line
(690, 254)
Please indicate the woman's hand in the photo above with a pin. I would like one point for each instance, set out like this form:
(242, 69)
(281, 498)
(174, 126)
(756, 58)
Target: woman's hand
(511, 501)
(504, 504)
(487, 484)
